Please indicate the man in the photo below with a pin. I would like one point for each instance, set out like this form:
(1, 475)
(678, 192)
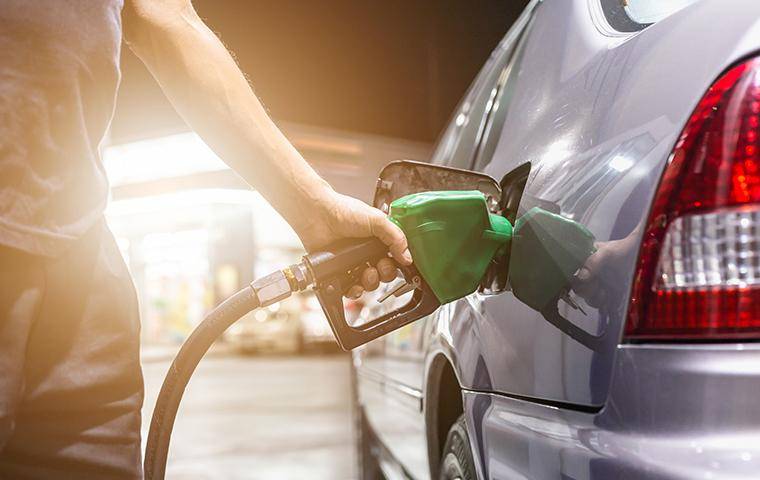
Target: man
(70, 380)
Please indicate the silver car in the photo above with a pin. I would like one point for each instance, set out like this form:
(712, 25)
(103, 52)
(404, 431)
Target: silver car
(640, 121)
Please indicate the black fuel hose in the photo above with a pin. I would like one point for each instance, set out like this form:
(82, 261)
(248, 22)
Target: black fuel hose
(182, 368)
(273, 288)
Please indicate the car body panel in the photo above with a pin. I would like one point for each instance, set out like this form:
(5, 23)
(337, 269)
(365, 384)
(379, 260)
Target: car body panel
(390, 385)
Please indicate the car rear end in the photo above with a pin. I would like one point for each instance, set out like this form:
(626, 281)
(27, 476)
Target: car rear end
(681, 402)
(688, 371)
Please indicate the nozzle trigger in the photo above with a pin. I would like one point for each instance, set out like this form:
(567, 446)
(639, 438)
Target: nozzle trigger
(402, 288)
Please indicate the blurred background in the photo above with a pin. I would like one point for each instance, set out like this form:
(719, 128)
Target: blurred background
(353, 85)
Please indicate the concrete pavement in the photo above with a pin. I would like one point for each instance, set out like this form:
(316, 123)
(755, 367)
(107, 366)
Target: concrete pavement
(260, 418)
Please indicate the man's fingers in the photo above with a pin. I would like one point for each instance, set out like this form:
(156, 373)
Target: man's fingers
(370, 279)
(387, 270)
(390, 234)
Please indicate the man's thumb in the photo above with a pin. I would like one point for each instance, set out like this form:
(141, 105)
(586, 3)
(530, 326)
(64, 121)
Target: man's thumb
(390, 234)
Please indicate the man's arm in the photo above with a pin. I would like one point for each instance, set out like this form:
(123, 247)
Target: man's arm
(205, 85)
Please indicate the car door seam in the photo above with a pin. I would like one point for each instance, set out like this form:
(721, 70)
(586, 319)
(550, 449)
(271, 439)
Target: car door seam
(590, 409)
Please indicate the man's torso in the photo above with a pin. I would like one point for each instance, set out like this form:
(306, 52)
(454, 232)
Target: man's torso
(59, 71)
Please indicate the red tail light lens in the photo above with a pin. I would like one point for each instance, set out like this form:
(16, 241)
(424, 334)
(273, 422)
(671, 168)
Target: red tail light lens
(698, 273)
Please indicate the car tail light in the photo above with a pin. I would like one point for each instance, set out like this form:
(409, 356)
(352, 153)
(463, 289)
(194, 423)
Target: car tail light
(698, 273)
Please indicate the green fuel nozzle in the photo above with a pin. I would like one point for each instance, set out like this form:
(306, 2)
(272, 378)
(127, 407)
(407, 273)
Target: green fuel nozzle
(452, 237)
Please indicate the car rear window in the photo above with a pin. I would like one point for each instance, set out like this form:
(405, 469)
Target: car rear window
(634, 15)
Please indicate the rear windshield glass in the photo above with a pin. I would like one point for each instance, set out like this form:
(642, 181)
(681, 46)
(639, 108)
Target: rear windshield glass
(633, 15)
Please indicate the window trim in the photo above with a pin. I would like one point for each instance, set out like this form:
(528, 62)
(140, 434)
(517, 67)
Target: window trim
(503, 51)
(506, 75)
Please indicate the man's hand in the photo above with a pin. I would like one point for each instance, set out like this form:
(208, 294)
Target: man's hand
(339, 216)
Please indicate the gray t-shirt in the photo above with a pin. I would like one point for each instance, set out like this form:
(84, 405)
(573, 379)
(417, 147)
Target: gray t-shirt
(59, 72)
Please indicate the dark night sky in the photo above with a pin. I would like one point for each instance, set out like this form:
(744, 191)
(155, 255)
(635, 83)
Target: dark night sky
(392, 67)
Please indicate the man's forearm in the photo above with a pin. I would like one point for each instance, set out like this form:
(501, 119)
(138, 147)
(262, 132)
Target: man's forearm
(205, 85)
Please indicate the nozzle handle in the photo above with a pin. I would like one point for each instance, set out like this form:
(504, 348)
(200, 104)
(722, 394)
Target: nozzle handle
(422, 303)
(341, 258)
(337, 268)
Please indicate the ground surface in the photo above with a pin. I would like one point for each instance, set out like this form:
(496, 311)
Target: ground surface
(260, 418)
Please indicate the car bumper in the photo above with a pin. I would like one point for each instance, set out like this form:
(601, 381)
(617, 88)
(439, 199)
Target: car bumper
(690, 412)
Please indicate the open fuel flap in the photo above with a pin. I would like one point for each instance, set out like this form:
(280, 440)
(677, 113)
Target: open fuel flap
(404, 177)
